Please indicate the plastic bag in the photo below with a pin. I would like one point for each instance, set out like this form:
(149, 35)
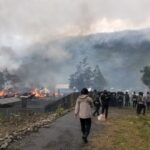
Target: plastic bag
(101, 117)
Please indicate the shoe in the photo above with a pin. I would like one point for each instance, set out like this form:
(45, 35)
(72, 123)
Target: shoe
(85, 139)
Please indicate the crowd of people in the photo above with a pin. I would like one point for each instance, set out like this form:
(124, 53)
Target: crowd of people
(139, 101)
(103, 99)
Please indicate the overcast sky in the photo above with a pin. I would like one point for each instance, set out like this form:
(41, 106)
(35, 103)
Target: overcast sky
(41, 18)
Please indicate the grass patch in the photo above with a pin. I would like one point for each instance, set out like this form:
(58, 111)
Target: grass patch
(127, 132)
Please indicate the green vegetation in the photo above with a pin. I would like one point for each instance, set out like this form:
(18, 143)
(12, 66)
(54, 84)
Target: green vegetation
(60, 110)
(146, 76)
(123, 133)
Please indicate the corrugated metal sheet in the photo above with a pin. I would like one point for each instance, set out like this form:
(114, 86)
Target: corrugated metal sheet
(11, 100)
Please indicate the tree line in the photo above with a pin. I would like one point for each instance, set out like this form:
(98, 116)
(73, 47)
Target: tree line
(86, 76)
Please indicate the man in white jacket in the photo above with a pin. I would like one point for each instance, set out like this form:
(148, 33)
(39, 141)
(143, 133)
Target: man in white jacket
(83, 109)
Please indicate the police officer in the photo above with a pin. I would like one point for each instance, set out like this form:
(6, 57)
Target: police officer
(134, 99)
(127, 99)
(97, 104)
(141, 104)
(120, 99)
(147, 99)
(105, 98)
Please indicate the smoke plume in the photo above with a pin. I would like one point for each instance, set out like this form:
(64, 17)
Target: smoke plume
(42, 40)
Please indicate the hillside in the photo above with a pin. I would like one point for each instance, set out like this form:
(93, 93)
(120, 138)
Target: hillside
(120, 55)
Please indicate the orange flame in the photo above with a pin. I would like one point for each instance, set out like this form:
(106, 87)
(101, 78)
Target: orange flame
(41, 93)
(2, 93)
(38, 93)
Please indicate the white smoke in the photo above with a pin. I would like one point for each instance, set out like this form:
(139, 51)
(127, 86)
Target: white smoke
(29, 29)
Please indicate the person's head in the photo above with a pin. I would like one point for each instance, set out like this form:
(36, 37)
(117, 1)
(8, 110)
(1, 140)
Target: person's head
(95, 91)
(105, 92)
(141, 93)
(148, 93)
(134, 93)
(84, 91)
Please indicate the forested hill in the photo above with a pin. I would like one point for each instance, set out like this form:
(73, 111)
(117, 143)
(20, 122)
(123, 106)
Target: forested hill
(120, 55)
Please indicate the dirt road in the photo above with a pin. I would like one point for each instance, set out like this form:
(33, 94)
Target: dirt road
(63, 134)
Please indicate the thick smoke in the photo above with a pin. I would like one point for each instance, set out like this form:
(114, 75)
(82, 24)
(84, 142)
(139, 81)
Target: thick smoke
(43, 66)
(37, 19)
(8, 58)
(35, 40)
(121, 55)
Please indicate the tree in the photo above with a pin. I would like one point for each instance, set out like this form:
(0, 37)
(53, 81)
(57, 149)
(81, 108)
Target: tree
(146, 76)
(82, 77)
(86, 77)
(99, 81)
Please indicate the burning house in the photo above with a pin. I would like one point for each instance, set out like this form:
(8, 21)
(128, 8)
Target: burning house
(14, 96)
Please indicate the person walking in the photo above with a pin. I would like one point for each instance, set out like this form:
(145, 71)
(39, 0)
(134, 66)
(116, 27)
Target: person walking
(105, 98)
(83, 109)
(97, 104)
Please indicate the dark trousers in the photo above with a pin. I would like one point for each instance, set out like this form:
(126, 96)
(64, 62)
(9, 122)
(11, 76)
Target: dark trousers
(148, 105)
(85, 126)
(140, 108)
(96, 110)
(127, 103)
(134, 104)
(105, 110)
(120, 104)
